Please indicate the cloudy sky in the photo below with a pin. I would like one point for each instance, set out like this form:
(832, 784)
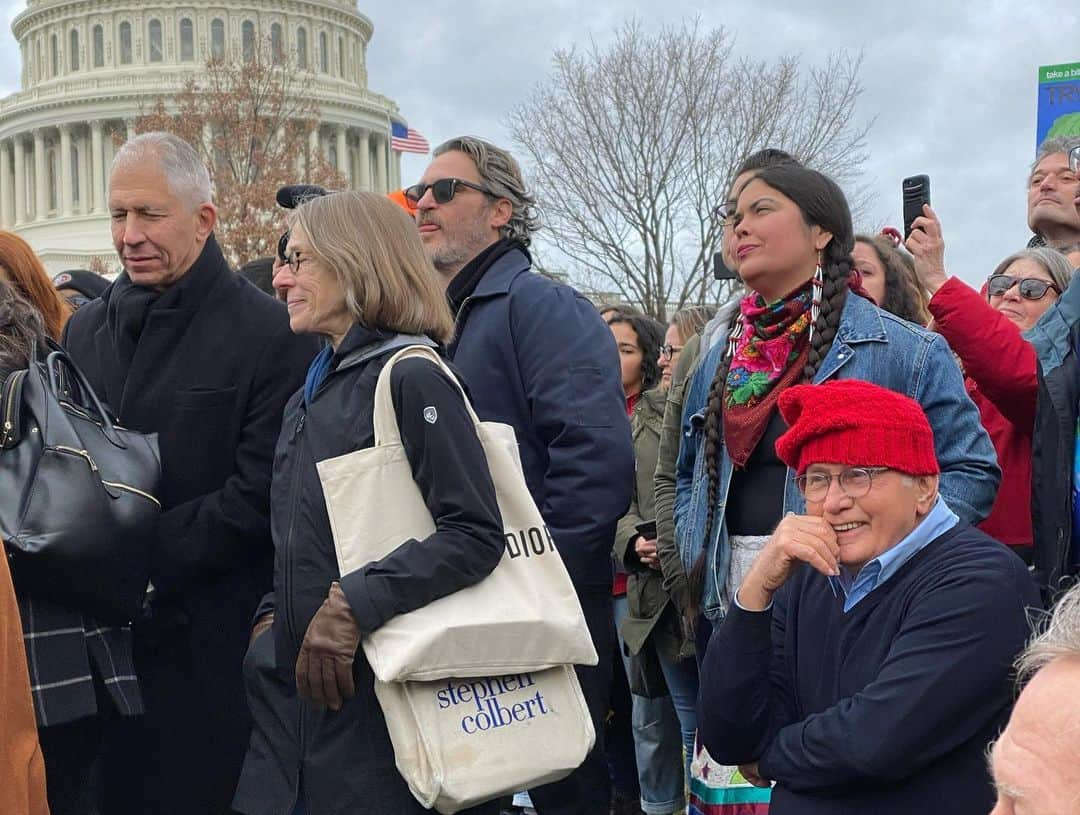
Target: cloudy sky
(952, 85)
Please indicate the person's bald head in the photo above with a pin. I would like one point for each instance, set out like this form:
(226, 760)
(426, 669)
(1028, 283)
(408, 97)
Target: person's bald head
(1036, 761)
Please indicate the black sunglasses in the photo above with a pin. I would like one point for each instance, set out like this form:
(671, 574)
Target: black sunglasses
(1031, 288)
(443, 190)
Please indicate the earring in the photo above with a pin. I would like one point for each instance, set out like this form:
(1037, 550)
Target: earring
(817, 285)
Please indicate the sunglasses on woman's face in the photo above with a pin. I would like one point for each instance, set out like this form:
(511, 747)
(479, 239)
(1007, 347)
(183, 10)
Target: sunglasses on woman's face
(1031, 288)
(443, 190)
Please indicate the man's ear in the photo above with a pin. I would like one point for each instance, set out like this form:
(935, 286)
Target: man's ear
(206, 219)
(926, 493)
(500, 213)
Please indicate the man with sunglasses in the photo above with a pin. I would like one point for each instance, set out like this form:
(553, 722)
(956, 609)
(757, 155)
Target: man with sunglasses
(537, 356)
(865, 663)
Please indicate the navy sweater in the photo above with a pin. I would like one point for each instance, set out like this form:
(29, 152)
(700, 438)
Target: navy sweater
(885, 709)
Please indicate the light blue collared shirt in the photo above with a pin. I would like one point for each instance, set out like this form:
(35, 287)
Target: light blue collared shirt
(937, 522)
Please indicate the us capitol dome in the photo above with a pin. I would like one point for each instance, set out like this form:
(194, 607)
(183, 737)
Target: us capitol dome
(91, 67)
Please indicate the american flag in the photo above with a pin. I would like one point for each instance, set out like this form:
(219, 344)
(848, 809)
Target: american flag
(406, 140)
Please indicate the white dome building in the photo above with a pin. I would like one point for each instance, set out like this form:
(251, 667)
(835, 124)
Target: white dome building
(91, 67)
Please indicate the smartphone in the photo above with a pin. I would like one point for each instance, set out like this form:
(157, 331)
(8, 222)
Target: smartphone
(720, 270)
(916, 193)
(647, 530)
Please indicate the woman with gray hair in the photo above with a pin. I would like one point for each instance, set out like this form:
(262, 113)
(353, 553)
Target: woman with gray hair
(1000, 366)
(357, 275)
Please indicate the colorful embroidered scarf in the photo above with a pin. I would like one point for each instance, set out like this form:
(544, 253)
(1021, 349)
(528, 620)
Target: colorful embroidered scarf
(771, 345)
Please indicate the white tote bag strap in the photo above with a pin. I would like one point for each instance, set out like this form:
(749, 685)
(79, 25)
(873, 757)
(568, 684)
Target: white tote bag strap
(385, 420)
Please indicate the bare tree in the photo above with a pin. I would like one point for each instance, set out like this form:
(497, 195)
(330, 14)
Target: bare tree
(251, 120)
(631, 145)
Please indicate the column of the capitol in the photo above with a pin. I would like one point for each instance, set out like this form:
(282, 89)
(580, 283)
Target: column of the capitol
(41, 199)
(65, 171)
(344, 164)
(364, 149)
(97, 157)
(19, 166)
(5, 185)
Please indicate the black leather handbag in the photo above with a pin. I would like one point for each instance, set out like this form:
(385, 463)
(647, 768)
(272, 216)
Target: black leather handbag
(78, 493)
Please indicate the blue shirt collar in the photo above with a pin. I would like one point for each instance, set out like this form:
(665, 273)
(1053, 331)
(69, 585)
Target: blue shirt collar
(937, 522)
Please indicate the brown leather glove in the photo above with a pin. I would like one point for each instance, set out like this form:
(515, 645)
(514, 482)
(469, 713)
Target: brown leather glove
(261, 624)
(324, 666)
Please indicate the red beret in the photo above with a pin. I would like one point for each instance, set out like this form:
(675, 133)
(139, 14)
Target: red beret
(848, 421)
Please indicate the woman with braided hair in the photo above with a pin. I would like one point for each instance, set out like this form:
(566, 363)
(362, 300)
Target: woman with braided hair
(802, 321)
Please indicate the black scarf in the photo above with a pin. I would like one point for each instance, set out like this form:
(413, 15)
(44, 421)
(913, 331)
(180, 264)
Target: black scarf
(126, 314)
(465, 281)
(129, 305)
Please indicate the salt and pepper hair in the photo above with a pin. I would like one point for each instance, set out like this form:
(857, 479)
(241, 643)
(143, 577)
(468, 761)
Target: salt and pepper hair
(184, 171)
(1058, 144)
(501, 174)
(1053, 262)
(1059, 638)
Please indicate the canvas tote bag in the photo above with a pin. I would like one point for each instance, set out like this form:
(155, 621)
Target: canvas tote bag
(459, 742)
(525, 616)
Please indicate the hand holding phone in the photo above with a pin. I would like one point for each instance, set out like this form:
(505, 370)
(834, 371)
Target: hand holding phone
(916, 193)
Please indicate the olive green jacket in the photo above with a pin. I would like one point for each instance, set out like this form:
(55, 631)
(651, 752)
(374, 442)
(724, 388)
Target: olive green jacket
(671, 565)
(650, 614)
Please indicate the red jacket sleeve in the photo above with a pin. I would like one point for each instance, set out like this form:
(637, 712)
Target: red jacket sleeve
(995, 355)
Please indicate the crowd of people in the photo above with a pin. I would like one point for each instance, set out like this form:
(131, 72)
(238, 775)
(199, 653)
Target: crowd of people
(825, 537)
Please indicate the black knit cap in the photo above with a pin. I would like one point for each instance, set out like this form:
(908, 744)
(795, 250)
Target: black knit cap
(85, 282)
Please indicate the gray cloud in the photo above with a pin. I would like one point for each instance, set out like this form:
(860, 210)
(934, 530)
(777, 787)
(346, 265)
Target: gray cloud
(952, 85)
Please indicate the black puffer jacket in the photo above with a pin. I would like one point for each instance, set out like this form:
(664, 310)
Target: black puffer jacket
(345, 758)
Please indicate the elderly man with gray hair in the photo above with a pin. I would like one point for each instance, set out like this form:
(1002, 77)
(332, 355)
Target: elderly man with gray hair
(1036, 761)
(182, 347)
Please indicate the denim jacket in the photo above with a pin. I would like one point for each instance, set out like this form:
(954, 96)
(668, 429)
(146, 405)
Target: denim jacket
(871, 345)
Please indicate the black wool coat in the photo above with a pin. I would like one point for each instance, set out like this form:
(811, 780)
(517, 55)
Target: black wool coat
(214, 365)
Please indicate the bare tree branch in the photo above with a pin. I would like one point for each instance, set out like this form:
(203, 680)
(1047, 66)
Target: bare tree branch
(630, 145)
(250, 121)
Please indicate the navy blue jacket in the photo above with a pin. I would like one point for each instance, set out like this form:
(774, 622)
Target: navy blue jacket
(887, 708)
(538, 357)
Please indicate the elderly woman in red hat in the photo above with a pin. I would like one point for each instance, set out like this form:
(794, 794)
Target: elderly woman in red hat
(865, 663)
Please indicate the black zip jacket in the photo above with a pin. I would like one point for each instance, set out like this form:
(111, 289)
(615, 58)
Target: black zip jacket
(345, 758)
(1056, 338)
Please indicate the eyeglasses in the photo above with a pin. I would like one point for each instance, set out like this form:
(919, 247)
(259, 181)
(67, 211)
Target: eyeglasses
(722, 212)
(282, 242)
(443, 190)
(669, 350)
(1031, 288)
(855, 482)
(294, 259)
(1074, 159)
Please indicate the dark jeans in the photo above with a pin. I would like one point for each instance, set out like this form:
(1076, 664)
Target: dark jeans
(70, 750)
(587, 790)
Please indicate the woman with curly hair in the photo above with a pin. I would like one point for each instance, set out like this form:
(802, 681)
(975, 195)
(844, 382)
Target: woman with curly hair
(888, 276)
(800, 322)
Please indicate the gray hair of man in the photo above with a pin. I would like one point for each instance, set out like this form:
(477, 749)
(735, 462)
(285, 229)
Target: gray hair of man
(1058, 144)
(1059, 638)
(184, 171)
(501, 174)
(1054, 262)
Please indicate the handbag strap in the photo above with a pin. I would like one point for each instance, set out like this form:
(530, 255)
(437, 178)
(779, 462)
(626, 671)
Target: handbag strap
(11, 397)
(384, 418)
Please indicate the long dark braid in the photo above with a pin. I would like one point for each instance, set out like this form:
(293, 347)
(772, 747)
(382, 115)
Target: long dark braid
(835, 274)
